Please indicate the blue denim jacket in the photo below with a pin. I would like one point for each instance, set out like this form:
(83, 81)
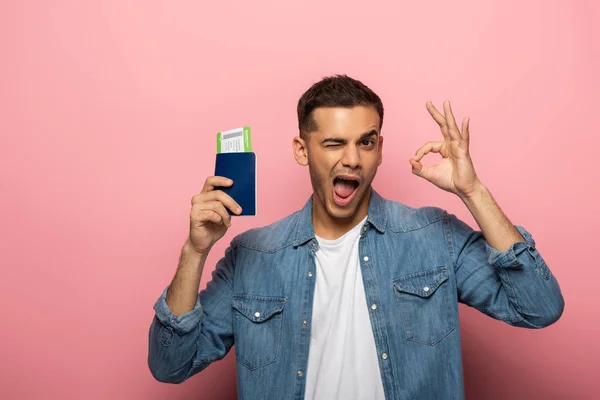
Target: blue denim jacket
(416, 264)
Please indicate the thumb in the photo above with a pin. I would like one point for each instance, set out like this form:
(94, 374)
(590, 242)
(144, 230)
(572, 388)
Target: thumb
(419, 169)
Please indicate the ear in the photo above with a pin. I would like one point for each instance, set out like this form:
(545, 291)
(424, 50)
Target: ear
(300, 151)
(380, 150)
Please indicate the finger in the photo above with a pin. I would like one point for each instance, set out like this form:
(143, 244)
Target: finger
(439, 118)
(208, 215)
(452, 128)
(216, 181)
(427, 148)
(217, 207)
(465, 128)
(221, 196)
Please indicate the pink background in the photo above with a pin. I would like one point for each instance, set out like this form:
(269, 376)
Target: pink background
(108, 116)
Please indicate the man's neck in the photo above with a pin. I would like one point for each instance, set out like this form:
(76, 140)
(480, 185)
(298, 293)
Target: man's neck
(330, 228)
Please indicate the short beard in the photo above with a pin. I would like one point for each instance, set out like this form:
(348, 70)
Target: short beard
(317, 184)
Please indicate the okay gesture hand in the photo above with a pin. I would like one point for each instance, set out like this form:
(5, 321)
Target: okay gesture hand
(455, 172)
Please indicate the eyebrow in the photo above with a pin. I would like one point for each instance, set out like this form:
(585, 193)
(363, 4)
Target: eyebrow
(372, 132)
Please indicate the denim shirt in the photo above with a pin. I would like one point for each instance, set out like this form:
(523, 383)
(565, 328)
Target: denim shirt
(417, 264)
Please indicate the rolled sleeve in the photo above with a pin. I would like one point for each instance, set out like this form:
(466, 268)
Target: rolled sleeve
(515, 286)
(180, 347)
(182, 324)
(509, 258)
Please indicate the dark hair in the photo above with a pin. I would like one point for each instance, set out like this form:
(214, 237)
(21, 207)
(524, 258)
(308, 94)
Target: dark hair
(335, 91)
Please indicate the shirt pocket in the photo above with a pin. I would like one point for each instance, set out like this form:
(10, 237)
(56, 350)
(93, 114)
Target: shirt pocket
(424, 300)
(257, 329)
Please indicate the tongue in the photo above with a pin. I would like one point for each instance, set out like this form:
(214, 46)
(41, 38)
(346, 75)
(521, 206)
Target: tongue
(343, 188)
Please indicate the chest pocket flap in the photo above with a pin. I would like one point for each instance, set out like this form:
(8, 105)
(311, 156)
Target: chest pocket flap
(422, 284)
(258, 308)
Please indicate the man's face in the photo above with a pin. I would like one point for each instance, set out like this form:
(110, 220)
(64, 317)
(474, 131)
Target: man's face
(343, 156)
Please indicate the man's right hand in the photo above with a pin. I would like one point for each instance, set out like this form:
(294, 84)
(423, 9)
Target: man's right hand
(209, 219)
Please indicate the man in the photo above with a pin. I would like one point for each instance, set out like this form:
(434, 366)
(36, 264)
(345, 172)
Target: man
(354, 296)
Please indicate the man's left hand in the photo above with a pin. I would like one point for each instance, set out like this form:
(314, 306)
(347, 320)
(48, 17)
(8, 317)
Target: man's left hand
(455, 172)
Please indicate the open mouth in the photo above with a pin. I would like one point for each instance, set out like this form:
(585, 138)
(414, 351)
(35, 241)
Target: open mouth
(344, 189)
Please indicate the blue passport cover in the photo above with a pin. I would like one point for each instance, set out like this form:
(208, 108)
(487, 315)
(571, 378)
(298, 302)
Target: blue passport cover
(241, 169)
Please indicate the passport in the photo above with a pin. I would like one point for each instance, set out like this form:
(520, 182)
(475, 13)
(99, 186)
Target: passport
(240, 167)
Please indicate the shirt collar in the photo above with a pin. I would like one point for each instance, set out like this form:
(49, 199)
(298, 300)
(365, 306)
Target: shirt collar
(304, 227)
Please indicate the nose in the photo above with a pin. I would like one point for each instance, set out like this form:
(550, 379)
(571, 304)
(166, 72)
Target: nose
(351, 157)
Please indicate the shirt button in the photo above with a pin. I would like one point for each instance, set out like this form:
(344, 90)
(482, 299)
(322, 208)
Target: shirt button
(300, 373)
(309, 274)
(257, 314)
(304, 323)
(426, 289)
(384, 356)
(366, 258)
(373, 306)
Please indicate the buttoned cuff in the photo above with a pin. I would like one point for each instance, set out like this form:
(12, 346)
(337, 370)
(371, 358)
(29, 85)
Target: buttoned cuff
(509, 258)
(182, 324)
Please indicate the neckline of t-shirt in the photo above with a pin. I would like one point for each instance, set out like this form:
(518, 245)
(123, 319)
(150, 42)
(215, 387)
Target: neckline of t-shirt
(333, 242)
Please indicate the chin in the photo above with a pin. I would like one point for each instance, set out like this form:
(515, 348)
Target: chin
(344, 213)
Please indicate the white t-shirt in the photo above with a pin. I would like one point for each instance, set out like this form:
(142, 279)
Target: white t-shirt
(342, 360)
